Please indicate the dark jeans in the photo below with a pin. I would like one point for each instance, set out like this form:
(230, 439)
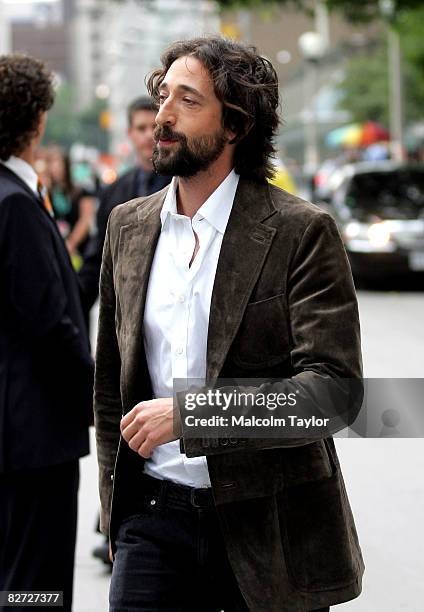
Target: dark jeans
(170, 557)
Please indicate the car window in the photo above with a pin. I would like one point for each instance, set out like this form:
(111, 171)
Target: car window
(401, 190)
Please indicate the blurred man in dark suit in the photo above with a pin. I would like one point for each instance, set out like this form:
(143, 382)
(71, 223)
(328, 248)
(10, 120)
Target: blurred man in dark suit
(142, 180)
(46, 370)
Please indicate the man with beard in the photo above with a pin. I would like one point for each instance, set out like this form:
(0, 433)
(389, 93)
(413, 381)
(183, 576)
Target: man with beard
(221, 276)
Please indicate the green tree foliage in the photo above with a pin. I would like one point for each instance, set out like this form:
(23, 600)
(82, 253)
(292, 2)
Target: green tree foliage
(410, 26)
(365, 90)
(353, 10)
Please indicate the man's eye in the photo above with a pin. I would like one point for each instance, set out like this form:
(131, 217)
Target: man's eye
(162, 99)
(188, 101)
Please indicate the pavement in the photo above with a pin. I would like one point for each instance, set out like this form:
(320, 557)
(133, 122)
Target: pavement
(384, 477)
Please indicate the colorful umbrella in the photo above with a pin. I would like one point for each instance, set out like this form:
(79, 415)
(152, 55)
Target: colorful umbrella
(357, 135)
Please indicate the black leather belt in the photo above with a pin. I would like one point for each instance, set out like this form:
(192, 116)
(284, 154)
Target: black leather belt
(171, 494)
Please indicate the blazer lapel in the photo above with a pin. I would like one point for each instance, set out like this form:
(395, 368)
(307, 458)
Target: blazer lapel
(244, 248)
(137, 245)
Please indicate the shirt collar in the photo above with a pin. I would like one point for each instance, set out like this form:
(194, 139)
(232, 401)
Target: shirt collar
(216, 209)
(24, 171)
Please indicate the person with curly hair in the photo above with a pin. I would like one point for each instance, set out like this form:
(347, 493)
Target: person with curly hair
(222, 276)
(46, 371)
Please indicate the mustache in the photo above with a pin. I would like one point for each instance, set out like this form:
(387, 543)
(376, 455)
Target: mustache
(165, 133)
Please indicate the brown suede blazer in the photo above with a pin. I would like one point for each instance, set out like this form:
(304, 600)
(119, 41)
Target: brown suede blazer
(283, 305)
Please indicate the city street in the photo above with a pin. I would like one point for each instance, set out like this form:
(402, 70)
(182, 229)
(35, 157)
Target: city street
(384, 477)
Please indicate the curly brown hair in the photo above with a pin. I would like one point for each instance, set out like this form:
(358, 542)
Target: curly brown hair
(247, 86)
(26, 91)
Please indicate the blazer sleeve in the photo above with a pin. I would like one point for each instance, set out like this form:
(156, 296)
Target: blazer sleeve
(107, 395)
(326, 353)
(33, 282)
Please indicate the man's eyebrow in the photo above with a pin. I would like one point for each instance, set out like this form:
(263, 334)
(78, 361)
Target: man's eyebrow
(182, 87)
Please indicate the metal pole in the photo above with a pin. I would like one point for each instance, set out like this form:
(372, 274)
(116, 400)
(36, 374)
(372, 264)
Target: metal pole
(310, 119)
(322, 24)
(396, 105)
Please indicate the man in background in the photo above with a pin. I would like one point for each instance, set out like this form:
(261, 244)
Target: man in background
(142, 180)
(46, 370)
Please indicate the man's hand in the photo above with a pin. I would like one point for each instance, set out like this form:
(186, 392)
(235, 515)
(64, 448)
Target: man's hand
(150, 424)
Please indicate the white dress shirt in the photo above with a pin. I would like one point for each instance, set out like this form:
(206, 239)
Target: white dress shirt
(24, 170)
(176, 317)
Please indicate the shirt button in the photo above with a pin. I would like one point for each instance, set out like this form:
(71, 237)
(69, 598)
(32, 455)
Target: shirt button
(181, 298)
(179, 350)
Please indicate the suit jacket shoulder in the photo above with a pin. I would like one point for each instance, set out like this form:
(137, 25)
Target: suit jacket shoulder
(11, 184)
(297, 208)
(128, 212)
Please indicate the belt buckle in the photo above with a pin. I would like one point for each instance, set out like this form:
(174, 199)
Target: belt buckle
(193, 494)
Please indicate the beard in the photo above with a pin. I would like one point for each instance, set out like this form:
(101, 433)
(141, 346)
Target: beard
(187, 157)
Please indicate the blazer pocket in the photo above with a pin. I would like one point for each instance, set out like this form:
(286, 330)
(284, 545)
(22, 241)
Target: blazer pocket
(263, 337)
(317, 531)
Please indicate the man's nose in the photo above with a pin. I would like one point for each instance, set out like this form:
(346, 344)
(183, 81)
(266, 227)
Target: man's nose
(166, 114)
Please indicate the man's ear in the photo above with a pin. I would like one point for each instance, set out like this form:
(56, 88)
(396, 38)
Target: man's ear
(230, 133)
(236, 137)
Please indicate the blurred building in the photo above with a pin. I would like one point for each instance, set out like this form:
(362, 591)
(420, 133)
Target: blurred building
(68, 35)
(89, 33)
(40, 29)
(131, 37)
(104, 48)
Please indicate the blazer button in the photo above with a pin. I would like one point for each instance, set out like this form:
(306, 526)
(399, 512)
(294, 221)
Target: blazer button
(111, 476)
